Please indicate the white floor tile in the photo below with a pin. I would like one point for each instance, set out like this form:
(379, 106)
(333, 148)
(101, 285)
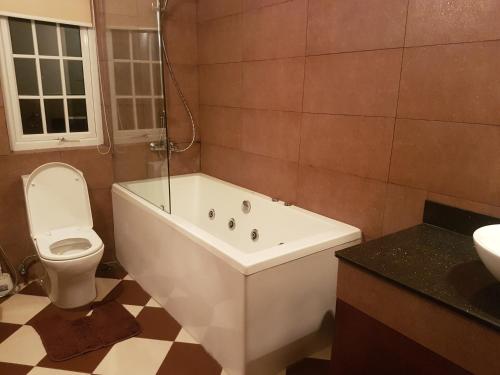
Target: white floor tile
(51, 371)
(104, 286)
(325, 353)
(23, 347)
(133, 309)
(134, 356)
(20, 308)
(184, 336)
(128, 277)
(153, 303)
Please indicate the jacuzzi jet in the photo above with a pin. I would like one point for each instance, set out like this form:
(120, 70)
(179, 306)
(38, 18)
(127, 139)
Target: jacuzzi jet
(254, 235)
(211, 214)
(231, 224)
(246, 207)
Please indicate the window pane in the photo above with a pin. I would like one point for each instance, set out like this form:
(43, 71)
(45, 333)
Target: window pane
(21, 36)
(144, 113)
(121, 45)
(73, 73)
(26, 78)
(142, 79)
(70, 41)
(140, 45)
(156, 79)
(31, 116)
(54, 115)
(77, 111)
(125, 114)
(46, 35)
(123, 79)
(51, 77)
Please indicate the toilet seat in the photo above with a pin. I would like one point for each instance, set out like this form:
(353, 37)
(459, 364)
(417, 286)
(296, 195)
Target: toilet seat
(68, 243)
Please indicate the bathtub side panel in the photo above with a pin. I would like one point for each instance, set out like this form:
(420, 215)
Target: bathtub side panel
(204, 294)
(286, 304)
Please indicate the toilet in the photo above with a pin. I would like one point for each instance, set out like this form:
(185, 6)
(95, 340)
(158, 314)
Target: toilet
(60, 222)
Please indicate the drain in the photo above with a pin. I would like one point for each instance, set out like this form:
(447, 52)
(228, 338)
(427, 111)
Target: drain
(231, 224)
(254, 235)
(211, 214)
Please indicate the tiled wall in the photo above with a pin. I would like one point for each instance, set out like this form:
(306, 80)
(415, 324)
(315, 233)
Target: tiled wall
(356, 109)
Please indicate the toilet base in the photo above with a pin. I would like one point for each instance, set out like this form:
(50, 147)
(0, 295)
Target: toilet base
(72, 282)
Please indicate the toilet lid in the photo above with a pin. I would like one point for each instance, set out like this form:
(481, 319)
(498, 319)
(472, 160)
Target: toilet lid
(57, 197)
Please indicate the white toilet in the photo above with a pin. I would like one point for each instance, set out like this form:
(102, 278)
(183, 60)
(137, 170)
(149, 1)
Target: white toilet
(60, 221)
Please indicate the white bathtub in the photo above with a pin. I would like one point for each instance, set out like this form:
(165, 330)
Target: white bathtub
(255, 305)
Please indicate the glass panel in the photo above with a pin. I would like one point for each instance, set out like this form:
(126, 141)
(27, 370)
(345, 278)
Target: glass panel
(70, 41)
(46, 35)
(31, 116)
(156, 79)
(21, 36)
(26, 78)
(140, 45)
(155, 47)
(158, 112)
(125, 114)
(54, 115)
(123, 79)
(135, 109)
(73, 74)
(51, 77)
(121, 44)
(77, 112)
(144, 113)
(142, 79)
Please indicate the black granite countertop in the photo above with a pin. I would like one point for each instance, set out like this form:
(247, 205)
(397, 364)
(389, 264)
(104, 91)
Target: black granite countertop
(437, 263)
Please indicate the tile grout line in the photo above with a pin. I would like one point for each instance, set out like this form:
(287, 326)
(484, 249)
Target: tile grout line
(298, 184)
(395, 123)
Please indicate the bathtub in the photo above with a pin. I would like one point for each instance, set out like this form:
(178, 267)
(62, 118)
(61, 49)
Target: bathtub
(255, 293)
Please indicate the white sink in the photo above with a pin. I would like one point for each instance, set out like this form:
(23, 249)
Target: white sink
(487, 243)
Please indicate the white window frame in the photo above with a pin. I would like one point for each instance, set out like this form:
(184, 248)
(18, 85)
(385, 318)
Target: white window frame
(23, 142)
(127, 136)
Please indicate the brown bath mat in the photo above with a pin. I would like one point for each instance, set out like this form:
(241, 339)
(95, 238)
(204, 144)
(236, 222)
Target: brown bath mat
(64, 339)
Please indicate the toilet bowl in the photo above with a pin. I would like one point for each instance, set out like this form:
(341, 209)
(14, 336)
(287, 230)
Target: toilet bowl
(60, 222)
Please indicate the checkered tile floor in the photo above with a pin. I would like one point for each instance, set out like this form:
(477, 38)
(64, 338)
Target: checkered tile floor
(163, 347)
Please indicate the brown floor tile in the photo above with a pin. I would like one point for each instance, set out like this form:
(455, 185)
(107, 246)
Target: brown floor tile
(33, 289)
(158, 324)
(188, 359)
(7, 329)
(87, 362)
(12, 369)
(110, 271)
(309, 366)
(131, 293)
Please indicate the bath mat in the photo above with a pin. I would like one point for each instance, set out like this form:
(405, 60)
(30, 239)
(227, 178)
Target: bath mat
(64, 339)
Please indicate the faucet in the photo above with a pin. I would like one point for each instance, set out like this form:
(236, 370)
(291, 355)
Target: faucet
(162, 146)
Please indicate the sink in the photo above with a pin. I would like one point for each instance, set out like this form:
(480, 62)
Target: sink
(487, 243)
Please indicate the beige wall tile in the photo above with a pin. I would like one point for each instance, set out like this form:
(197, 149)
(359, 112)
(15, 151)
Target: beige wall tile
(350, 144)
(360, 83)
(457, 82)
(354, 25)
(275, 31)
(443, 21)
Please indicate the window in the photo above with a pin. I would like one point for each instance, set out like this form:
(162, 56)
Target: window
(50, 83)
(136, 91)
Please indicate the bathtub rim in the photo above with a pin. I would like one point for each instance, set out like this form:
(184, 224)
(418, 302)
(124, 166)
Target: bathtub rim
(247, 263)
